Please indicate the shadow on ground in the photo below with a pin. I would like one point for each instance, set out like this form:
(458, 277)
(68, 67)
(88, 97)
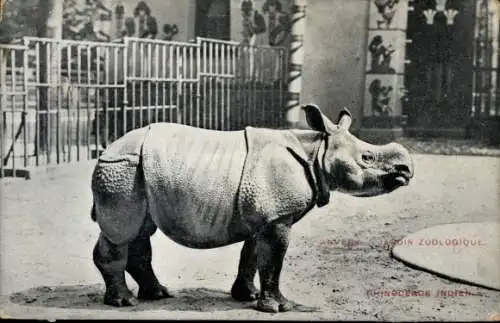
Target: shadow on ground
(91, 297)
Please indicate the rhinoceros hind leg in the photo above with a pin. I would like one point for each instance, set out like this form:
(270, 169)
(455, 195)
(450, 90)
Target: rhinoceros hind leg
(139, 264)
(271, 247)
(111, 261)
(244, 289)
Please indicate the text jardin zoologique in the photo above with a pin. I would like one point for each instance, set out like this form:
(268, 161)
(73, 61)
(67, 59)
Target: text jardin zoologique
(421, 293)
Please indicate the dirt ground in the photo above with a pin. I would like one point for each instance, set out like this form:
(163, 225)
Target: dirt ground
(338, 254)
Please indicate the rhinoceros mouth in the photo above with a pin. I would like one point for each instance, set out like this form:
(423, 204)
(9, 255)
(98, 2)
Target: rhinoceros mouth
(395, 180)
(402, 180)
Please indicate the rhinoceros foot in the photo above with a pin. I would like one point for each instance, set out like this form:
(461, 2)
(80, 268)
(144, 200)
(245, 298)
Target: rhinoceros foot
(158, 292)
(120, 299)
(244, 292)
(274, 305)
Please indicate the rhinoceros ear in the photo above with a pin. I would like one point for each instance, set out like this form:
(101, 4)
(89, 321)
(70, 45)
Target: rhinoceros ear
(317, 120)
(345, 119)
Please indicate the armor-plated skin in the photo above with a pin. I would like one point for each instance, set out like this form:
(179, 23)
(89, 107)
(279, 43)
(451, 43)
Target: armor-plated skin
(207, 189)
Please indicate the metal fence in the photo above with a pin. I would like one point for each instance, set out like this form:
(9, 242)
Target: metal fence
(64, 101)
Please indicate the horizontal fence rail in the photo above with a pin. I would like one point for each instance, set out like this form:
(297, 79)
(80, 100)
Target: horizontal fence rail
(63, 101)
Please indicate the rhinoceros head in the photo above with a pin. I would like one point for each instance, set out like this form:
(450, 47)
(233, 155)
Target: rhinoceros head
(353, 166)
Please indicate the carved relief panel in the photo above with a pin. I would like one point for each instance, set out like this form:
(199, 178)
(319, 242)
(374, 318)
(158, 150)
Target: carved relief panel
(383, 95)
(388, 14)
(386, 52)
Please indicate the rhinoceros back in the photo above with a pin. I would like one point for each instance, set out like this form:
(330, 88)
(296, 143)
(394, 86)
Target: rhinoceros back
(192, 177)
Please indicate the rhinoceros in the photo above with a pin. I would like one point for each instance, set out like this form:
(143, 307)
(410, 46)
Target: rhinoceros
(207, 189)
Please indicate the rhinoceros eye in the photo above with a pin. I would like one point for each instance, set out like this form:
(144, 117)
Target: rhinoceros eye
(368, 157)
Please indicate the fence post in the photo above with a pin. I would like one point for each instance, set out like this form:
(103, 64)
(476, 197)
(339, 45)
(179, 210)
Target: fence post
(296, 59)
(198, 82)
(2, 104)
(125, 73)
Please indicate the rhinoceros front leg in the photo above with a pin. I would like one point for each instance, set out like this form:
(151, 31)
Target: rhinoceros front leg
(271, 246)
(244, 289)
(111, 260)
(140, 255)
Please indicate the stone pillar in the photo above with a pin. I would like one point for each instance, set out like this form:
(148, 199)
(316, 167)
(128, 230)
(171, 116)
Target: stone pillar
(295, 61)
(55, 20)
(49, 73)
(384, 73)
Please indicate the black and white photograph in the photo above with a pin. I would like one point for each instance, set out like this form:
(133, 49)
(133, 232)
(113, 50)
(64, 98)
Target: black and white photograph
(310, 160)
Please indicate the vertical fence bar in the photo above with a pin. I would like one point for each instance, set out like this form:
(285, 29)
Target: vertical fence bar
(240, 65)
(149, 75)
(178, 83)
(115, 92)
(157, 78)
(272, 56)
(204, 106)
(25, 104)
(263, 105)
(276, 80)
(184, 85)
(229, 82)
(244, 105)
(234, 91)
(164, 84)
(260, 70)
(248, 78)
(69, 96)
(223, 86)
(191, 77)
(284, 74)
(58, 90)
(142, 74)
(78, 101)
(97, 92)
(241, 86)
(37, 104)
(229, 85)
(171, 81)
(13, 107)
(277, 83)
(87, 107)
(126, 82)
(66, 91)
(3, 77)
(250, 85)
(48, 80)
(106, 95)
(283, 63)
(134, 75)
(211, 83)
(214, 77)
(198, 84)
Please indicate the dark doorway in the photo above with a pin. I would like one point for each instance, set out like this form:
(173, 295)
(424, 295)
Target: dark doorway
(213, 19)
(439, 75)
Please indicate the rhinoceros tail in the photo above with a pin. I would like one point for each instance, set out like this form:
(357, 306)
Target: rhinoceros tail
(92, 213)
